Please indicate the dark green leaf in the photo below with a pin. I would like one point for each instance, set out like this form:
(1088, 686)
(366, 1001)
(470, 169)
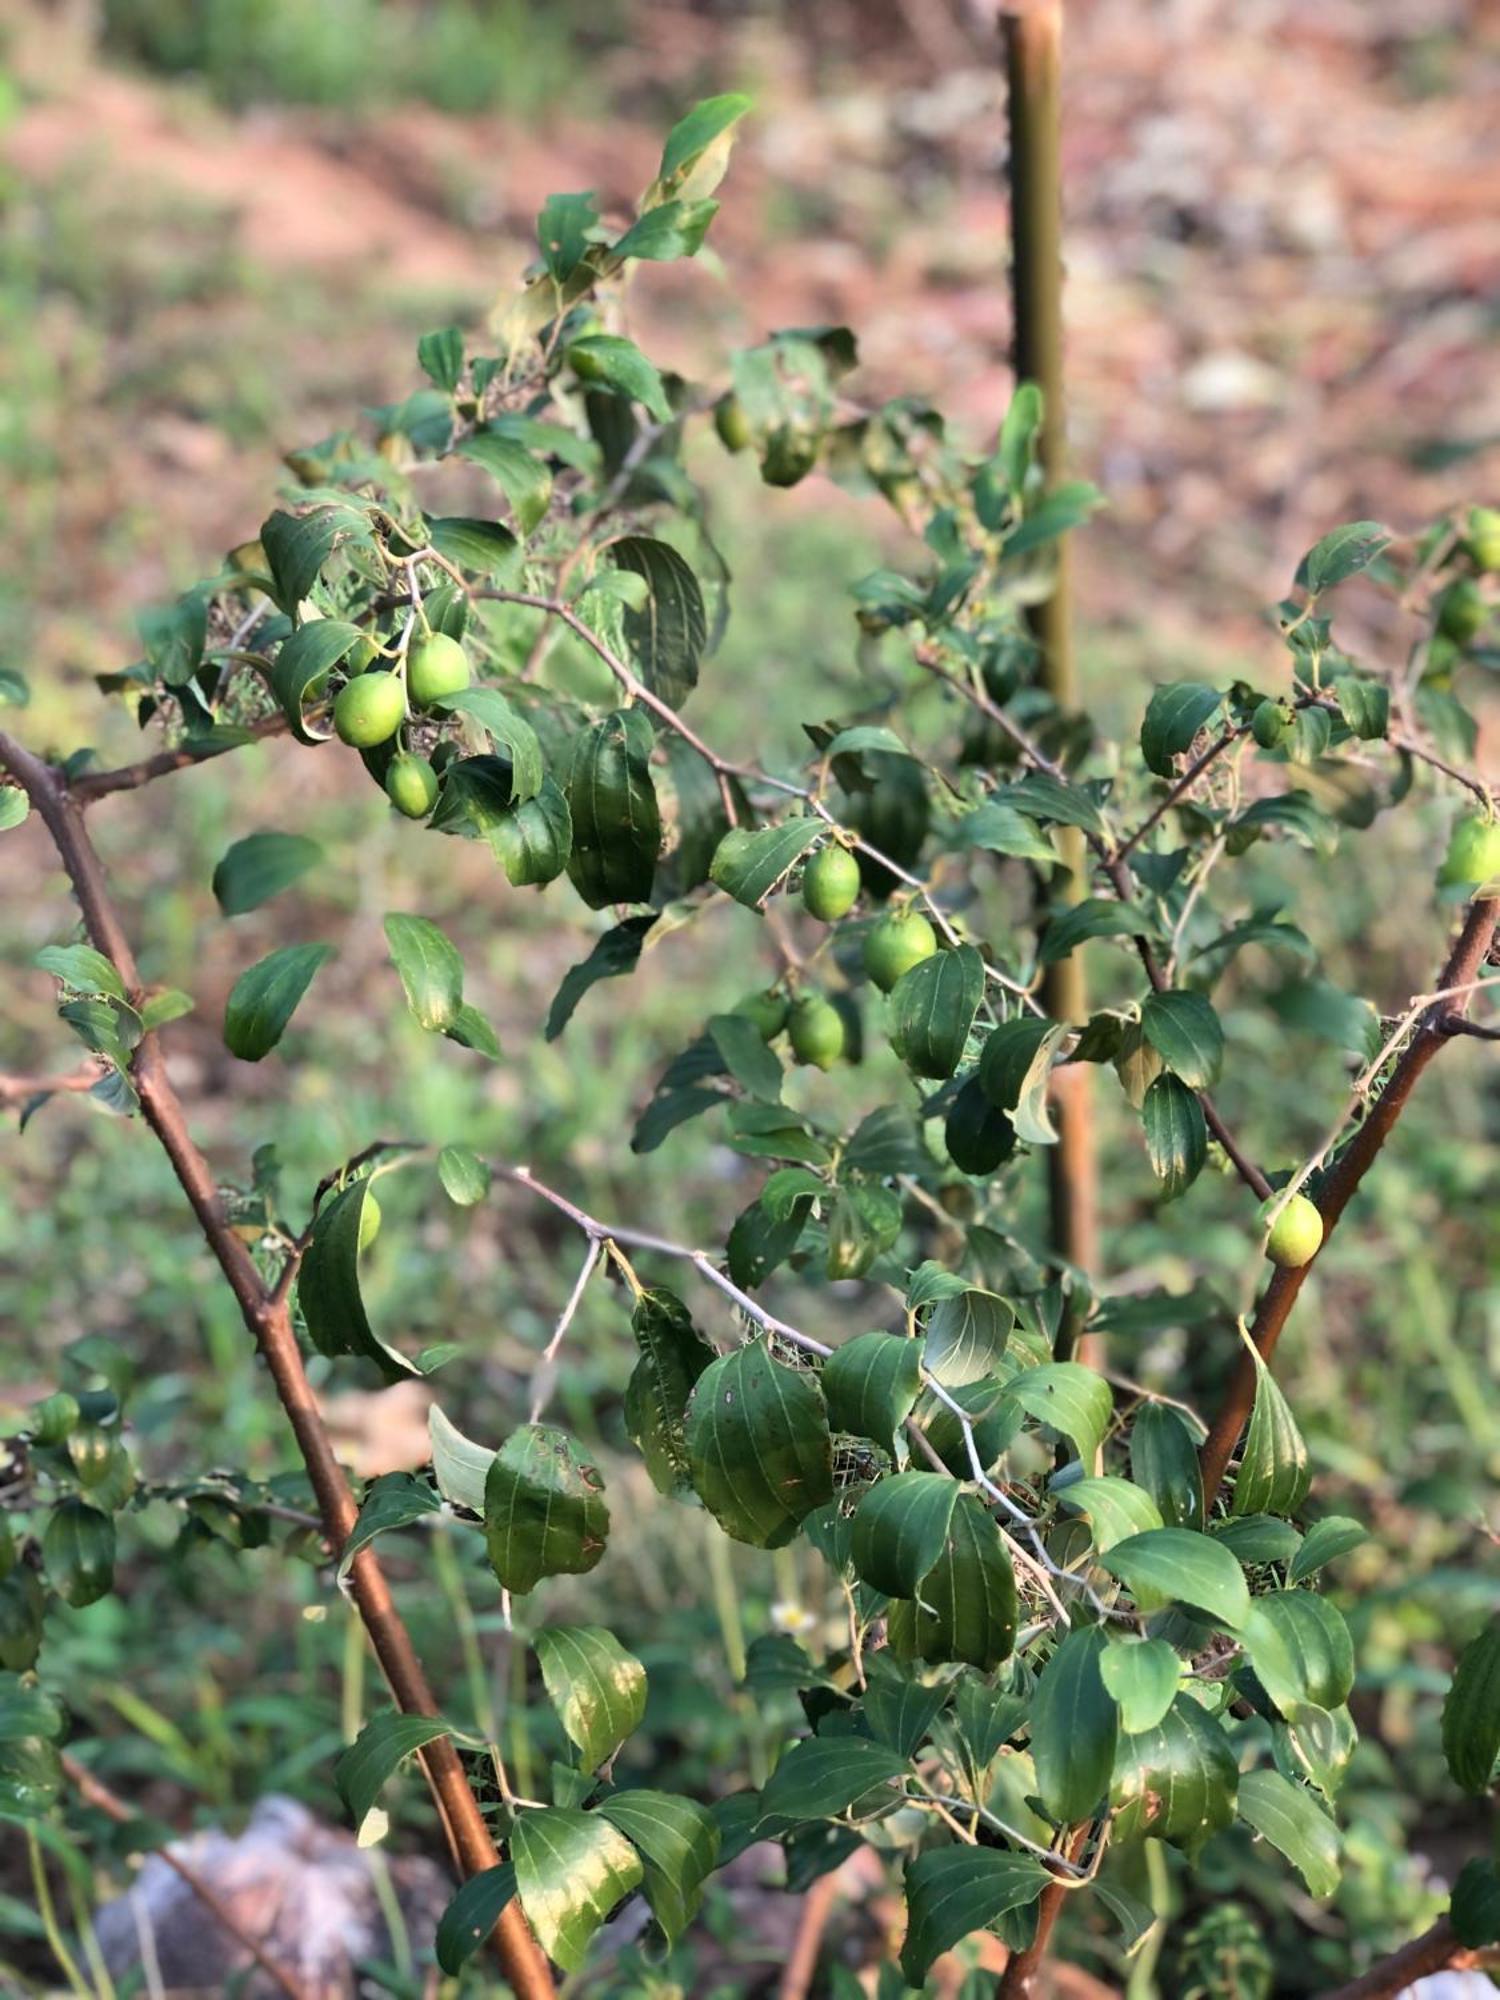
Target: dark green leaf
(753, 1065)
(385, 1742)
(263, 1000)
(1300, 1649)
(1174, 715)
(571, 1869)
(532, 840)
(822, 1777)
(523, 478)
(616, 954)
(871, 1384)
(952, 1892)
(1471, 1714)
(1142, 1677)
(82, 968)
(616, 822)
(673, 1356)
(440, 356)
(485, 547)
(1094, 917)
(609, 361)
(494, 714)
(394, 1500)
(544, 1514)
(1184, 1030)
(899, 1710)
(1475, 1910)
(465, 1177)
(759, 1446)
(933, 1008)
(472, 1915)
(298, 545)
(564, 230)
(259, 867)
(966, 1336)
(748, 866)
(302, 667)
(1364, 704)
(78, 1550)
(328, 1286)
(966, 1607)
(1176, 1135)
(678, 1840)
(431, 970)
(1074, 1728)
(1342, 553)
(668, 634)
(1325, 1541)
(1273, 1475)
(1113, 1507)
(1164, 1460)
(1002, 829)
(1177, 1781)
(901, 1529)
(1069, 1398)
(1290, 1817)
(596, 1687)
(1180, 1566)
(693, 134)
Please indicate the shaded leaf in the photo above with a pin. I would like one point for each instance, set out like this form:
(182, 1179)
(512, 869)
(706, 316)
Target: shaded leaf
(616, 820)
(954, 1891)
(933, 1008)
(1178, 1565)
(668, 634)
(1075, 1725)
(871, 1384)
(259, 867)
(678, 1840)
(544, 1514)
(759, 1446)
(263, 1000)
(966, 1606)
(1290, 1817)
(615, 955)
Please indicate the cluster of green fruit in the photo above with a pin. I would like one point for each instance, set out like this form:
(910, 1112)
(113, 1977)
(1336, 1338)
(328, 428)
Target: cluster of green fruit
(372, 706)
(894, 943)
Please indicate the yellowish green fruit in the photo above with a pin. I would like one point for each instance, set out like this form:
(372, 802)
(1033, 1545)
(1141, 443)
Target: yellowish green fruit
(897, 943)
(789, 457)
(369, 710)
(816, 1030)
(1473, 852)
(1483, 539)
(435, 666)
(767, 1010)
(1296, 1235)
(369, 1221)
(411, 785)
(830, 884)
(1269, 724)
(731, 422)
(1462, 611)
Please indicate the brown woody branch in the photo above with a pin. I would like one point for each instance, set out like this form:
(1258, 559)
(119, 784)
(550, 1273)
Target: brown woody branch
(1431, 1033)
(97, 1794)
(91, 785)
(18, 1089)
(1020, 1978)
(267, 1318)
(1436, 1950)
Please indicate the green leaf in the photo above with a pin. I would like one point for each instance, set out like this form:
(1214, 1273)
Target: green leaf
(596, 1687)
(758, 1446)
(1174, 715)
(566, 226)
(1342, 553)
(459, 1465)
(1001, 829)
(174, 636)
(1300, 1649)
(298, 545)
(1184, 1030)
(328, 1286)
(821, 1777)
(430, 968)
(1325, 1541)
(1273, 1475)
(259, 867)
(302, 667)
(1180, 1566)
(900, 1711)
(1045, 798)
(1142, 1677)
(871, 1384)
(263, 1000)
(472, 1915)
(1471, 1714)
(1075, 1725)
(1364, 704)
(533, 839)
(748, 866)
(484, 547)
(933, 1008)
(692, 135)
(523, 478)
(678, 1840)
(1094, 917)
(609, 361)
(673, 1357)
(1475, 1908)
(440, 356)
(1113, 1507)
(385, 1742)
(82, 968)
(14, 691)
(901, 1529)
(1290, 1817)
(616, 820)
(78, 1550)
(1257, 1538)
(966, 1336)
(1176, 1134)
(1069, 1398)
(952, 1892)
(14, 806)
(168, 1005)
(1014, 1071)
(752, 1064)
(394, 1500)
(571, 1869)
(465, 1177)
(471, 1030)
(1164, 1460)
(543, 1510)
(1064, 507)
(966, 1606)
(615, 955)
(1176, 1781)
(494, 714)
(667, 635)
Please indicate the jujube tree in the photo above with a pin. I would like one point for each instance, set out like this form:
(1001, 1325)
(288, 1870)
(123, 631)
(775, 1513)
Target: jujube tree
(1079, 1617)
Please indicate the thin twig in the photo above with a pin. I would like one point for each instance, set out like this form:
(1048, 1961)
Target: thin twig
(19, 1089)
(1436, 1950)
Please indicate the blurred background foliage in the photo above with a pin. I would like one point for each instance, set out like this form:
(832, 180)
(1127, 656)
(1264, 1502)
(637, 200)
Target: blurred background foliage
(224, 223)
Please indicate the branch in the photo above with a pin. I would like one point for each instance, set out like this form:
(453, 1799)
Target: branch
(18, 1089)
(1020, 1978)
(1457, 980)
(267, 1318)
(1436, 1950)
(97, 1794)
(92, 785)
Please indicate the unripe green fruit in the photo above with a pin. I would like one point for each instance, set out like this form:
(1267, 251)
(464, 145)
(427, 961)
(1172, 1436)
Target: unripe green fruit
(1462, 611)
(1269, 725)
(1296, 1235)
(897, 943)
(830, 884)
(1473, 852)
(789, 457)
(731, 422)
(435, 666)
(369, 710)
(411, 785)
(768, 1011)
(817, 1031)
(1483, 540)
(369, 1221)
